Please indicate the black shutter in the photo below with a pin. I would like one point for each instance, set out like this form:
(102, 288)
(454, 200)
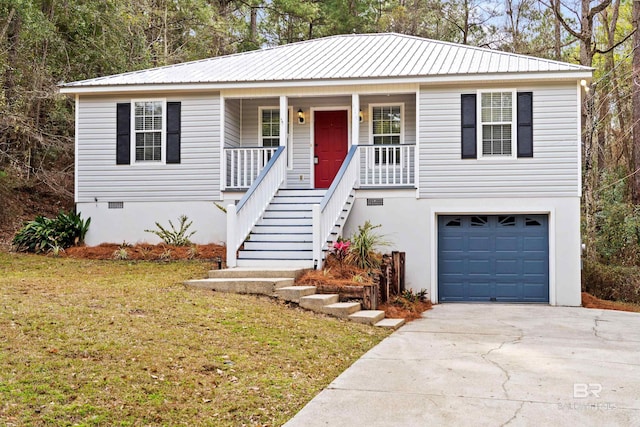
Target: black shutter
(173, 132)
(525, 124)
(469, 146)
(123, 132)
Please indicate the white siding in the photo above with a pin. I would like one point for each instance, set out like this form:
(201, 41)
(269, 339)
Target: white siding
(552, 171)
(197, 177)
(232, 123)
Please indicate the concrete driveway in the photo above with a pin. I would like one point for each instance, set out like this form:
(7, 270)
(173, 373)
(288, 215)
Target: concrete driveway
(478, 364)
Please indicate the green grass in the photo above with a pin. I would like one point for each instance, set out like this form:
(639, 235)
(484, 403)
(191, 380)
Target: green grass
(97, 343)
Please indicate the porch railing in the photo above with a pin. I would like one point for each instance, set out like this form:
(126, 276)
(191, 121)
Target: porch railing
(327, 213)
(387, 165)
(243, 165)
(243, 216)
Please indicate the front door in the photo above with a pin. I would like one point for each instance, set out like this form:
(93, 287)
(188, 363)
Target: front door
(331, 135)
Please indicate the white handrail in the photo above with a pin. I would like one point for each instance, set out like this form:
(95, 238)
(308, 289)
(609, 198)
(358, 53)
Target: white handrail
(326, 214)
(243, 216)
(243, 165)
(387, 165)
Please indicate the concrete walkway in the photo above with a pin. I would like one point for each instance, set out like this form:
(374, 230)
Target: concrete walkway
(494, 365)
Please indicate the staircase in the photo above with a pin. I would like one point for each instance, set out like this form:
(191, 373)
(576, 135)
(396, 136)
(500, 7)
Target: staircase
(283, 236)
(278, 283)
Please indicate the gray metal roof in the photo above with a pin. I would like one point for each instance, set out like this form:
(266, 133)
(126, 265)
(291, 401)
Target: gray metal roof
(353, 56)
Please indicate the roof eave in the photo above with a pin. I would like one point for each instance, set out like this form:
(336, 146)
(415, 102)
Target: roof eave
(547, 76)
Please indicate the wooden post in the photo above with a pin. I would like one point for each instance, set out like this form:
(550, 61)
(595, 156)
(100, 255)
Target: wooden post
(370, 297)
(398, 269)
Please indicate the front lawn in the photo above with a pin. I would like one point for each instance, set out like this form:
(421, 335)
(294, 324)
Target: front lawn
(119, 343)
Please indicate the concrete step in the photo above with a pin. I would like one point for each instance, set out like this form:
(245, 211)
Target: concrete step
(390, 323)
(252, 273)
(284, 221)
(294, 293)
(288, 255)
(242, 286)
(368, 317)
(341, 310)
(275, 263)
(318, 301)
(253, 245)
(272, 237)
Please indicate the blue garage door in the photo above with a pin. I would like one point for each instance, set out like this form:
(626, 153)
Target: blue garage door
(501, 258)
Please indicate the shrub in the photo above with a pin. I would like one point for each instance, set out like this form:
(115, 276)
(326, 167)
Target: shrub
(614, 283)
(175, 237)
(45, 234)
(364, 245)
(617, 223)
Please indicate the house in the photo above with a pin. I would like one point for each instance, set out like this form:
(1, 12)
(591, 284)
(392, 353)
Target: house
(469, 158)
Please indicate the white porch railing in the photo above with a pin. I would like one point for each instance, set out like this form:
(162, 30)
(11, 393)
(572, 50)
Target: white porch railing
(327, 213)
(243, 165)
(243, 216)
(387, 165)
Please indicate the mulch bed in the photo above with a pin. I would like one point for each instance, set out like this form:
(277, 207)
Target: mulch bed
(146, 252)
(589, 301)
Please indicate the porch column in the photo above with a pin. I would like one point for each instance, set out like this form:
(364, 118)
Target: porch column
(284, 129)
(284, 120)
(223, 159)
(355, 118)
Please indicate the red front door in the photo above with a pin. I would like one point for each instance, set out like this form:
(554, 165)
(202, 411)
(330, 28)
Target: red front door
(331, 137)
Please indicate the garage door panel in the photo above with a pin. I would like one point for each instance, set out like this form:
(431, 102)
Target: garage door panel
(507, 243)
(493, 258)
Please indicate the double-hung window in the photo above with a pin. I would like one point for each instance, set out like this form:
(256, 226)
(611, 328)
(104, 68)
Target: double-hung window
(497, 114)
(386, 129)
(148, 130)
(270, 122)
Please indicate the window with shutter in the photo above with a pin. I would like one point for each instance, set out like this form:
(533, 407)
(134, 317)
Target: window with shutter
(493, 121)
(148, 131)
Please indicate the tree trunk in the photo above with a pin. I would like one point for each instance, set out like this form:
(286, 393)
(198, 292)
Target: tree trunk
(636, 103)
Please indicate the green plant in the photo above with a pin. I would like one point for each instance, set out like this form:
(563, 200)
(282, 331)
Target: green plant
(364, 245)
(358, 278)
(193, 252)
(175, 237)
(121, 253)
(617, 239)
(44, 234)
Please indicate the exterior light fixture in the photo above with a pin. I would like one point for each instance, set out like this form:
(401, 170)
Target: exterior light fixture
(301, 116)
(361, 115)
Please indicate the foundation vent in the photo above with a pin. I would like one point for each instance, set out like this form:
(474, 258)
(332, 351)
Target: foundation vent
(375, 202)
(116, 205)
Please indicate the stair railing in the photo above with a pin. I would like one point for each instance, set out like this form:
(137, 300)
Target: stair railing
(242, 217)
(327, 213)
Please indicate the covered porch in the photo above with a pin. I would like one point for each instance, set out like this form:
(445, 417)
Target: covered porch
(317, 133)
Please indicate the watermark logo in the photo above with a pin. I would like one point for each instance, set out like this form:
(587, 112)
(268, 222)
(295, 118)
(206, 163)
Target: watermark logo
(587, 391)
(584, 390)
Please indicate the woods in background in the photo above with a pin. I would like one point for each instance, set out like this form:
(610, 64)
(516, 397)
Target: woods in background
(44, 42)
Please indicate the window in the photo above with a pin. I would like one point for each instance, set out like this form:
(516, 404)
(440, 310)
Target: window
(270, 121)
(148, 128)
(149, 131)
(386, 129)
(386, 121)
(496, 119)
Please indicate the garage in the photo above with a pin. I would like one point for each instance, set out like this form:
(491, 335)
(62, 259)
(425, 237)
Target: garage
(502, 258)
